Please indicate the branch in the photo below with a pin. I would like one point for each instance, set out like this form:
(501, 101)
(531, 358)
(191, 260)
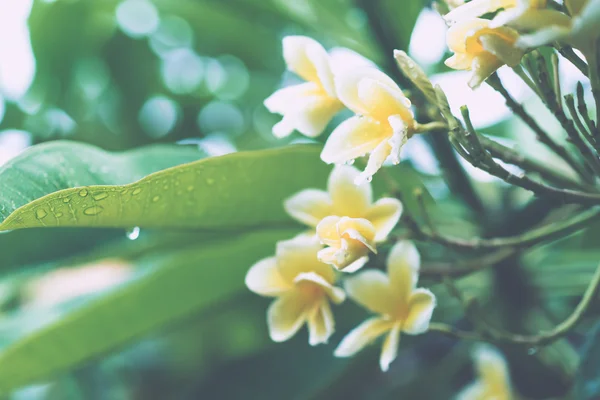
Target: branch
(540, 339)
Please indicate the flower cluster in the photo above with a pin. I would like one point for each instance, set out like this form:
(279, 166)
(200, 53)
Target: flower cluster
(484, 45)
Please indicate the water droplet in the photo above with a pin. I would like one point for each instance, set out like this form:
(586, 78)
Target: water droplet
(124, 191)
(66, 199)
(532, 350)
(210, 181)
(40, 213)
(177, 183)
(369, 178)
(156, 198)
(58, 215)
(350, 162)
(134, 233)
(136, 191)
(83, 192)
(95, 210)
(100, 196)
(166, 187)
(190, 188)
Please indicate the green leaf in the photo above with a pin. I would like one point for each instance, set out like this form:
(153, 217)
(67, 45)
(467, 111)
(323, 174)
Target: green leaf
(587, 380)
(183, 283)
(238, 190)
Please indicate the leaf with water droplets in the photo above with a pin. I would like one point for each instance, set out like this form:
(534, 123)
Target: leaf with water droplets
(417, 76)
(244, 189)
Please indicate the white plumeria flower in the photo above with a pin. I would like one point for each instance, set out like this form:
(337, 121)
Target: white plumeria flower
(349, 239)
(344, 198)
(580, 30)
(401, 306)
(302, 286)
(382, 124)
(307, 107)
(493, 380)
(513, 10)
(481, 49)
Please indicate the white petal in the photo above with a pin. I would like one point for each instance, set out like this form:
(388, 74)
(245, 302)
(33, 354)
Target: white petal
(348, 199)
(403, 265)
(299, 255)
(381, 101)
(286, 315)
(371, 289)
(389, 351)
(384, 215)
(376, 160)
(354, 138)
(543, 36)
(321, 325)
(476, 8)
(347, 85)
(307, 58)
(264, 278)
(336, 294)
(309, 206)
(361, 336)
(421, 305)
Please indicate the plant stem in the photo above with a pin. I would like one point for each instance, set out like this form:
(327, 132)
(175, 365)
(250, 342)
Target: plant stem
(583, 110)
(542, 136)
(568, 53)
(570, 101)
(532, 237)
(540, 339)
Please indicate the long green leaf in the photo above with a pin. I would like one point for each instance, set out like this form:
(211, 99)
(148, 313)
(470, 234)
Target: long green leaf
(238, 190)
(183, 283)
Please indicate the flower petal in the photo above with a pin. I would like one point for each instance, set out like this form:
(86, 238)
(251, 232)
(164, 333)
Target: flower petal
(336, 294)
(321, 324)
(309, 206)
(284, 100)
(307, 58)
(381, 101)
(327, 231)
(505, 51)
(347, 85)
(361, 336)
(457, 34)
(473, 391)
(299, 255)
(575, 6)
(543, 36)
(484, 65)
(389, 351)
(348, 199)
(309, 116)
(354, 138)
(477, 8)
(384, 215)
(460, 61)
(376, 160)
(492, 369)
(286, 315)
(264, 278)
(420, 309)
(371, 289)
(403, 265)
(358, 229)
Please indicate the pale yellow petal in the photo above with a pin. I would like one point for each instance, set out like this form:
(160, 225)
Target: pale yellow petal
(543, 36)
(484, 65)
(356, 265)
(347, 85)
(358, 229)
(459, 61)
(264, 278)
(506, 52)
(285, 99)
(534, 19)
(376, 160)
(585, 32)
(309, 116)
(309, 206)
(354, 138)
(361, 336)
(307, 58)
(299, 255)
(457, 34)
(381, 101)
(492, 369)
(384, 215)
(477, 8)
(371, 289)
(286, 315)
(420, 309)
(403, 265)
(327, 231)
(389, 350)
(348, 199)
(337, 295)
(321, 324)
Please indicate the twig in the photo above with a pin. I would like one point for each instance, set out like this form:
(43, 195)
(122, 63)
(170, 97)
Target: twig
(545, 233)
(541, 135)
(570, 101)
(568, 53)
(556, 78)
(583, 110)
(458, 269)
(540, 339)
